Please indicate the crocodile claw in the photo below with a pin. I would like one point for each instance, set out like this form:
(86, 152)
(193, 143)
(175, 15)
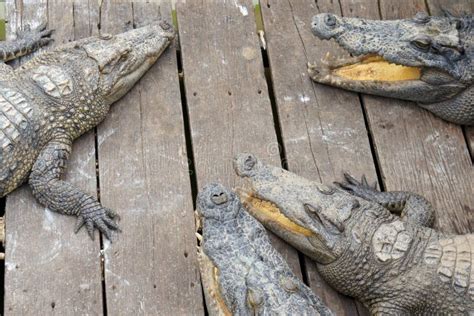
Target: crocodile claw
(39, 37)
(358, 188)
(97, 217)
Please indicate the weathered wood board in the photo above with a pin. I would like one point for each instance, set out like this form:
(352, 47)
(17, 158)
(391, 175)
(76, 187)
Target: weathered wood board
(323, 128)
(436, 7)
(151, 269)
(416, 150)
(227, 95)
(49, 268)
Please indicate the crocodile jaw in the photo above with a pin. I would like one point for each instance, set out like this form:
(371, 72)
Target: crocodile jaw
(123, 59)
(295, 234)
(388, 61)
(308, 215)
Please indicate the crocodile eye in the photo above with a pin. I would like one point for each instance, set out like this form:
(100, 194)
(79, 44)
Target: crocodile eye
(422, 18)
(324, 189)
(250, 162)
(459, 24)
(422, 44)
(330, 20)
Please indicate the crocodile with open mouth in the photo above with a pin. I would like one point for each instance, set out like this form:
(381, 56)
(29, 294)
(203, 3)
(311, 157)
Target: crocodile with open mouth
(242, 273)
(426, 59)
(59, 95)
(375, 246)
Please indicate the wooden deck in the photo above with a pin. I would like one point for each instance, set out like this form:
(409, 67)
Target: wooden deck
(213, 94)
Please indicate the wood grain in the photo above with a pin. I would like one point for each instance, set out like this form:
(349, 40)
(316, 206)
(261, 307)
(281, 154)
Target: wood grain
(323, 128)
(227, 95)
(49, 268)
(455, 6)
(417, 151)
(151, 269)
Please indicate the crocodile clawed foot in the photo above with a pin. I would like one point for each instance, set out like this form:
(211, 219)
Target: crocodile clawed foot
(358, 188)
(97, 217)
(39, 37)
(319, 72)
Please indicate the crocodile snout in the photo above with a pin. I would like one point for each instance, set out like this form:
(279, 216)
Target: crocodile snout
(244, 164)
(324, 25)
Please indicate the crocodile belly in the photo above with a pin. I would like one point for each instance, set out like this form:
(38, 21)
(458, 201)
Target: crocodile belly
(18, 139)
(453, 259)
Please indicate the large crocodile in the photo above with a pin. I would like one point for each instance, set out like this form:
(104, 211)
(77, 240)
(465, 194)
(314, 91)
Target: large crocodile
(374, 246)
(57, 96)
(242, 273)
(426, 59)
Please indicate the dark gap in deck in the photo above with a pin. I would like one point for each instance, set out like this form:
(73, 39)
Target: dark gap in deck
(276, 119)
(187, 135)
(370, 136)
(373, 146)
(427, 7)
(468, 143)
(101, 239)
(187, 125)
(97, 173)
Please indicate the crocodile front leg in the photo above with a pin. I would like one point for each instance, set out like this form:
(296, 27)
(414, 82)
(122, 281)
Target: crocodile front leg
(410, 206)
(27, 42)
(62, 197)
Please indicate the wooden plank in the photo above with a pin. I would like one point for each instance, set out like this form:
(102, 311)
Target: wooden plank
(227, 95)
(323, 128)
(41, 245)
(436, 7)
(416, 150)
(152, 268)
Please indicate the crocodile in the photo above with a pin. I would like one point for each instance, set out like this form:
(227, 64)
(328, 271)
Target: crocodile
(425, 59)
(242, 273)
(377, 247)
(57, 96)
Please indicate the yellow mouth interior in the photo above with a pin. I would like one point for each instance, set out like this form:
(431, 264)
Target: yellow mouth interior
(268, 212)
(210, 279)
(375, 68)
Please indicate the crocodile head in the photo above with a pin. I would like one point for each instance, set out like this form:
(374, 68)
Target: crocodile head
(424, 59)
(122, 59)
(310, 216)
(242, 273)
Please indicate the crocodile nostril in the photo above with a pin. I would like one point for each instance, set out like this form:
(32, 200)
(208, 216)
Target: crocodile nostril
(219, 198)
(422, 18)
(330, 20)
(250, 162)
(165, 25)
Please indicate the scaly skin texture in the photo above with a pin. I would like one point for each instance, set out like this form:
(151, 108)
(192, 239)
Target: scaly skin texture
(442, 48)
(242, 273)
(57, 96)
(390, 260)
